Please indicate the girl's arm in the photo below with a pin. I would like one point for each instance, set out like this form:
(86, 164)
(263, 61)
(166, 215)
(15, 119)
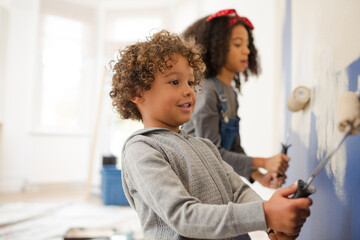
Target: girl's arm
(278, 163)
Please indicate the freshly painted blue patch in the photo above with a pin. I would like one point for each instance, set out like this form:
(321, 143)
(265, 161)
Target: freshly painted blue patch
(329, 214)
(286, 57)
(331, 217)
(303, 162)
(352, 177)
(353, 72)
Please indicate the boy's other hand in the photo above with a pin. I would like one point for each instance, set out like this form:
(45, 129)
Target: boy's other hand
(285, 215)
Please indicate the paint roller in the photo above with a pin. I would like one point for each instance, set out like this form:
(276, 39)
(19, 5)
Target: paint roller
(298, 100)
(349, 124)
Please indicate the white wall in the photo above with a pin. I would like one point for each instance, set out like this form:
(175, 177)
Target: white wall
(17, 82)
(28, 157)
(4, 22)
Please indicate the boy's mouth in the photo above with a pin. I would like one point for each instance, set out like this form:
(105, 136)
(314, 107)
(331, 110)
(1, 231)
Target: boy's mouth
(186, 106)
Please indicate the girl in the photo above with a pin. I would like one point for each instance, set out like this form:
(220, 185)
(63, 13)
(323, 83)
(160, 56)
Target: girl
(229, 50)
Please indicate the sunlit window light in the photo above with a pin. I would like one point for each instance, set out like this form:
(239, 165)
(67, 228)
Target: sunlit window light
(62, 59)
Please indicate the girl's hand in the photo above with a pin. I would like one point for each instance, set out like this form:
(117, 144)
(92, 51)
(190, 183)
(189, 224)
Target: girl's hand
(278, 163)
(271, 180)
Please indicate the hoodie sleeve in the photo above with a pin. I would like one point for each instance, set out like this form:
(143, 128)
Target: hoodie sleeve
(152, 186)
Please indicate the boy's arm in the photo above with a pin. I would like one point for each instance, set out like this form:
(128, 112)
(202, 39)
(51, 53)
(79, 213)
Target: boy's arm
(150, 178)
(241, 191)
(285, 215)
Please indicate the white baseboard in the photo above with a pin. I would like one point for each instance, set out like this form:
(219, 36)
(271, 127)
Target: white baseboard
(54, 186)
(11, 185)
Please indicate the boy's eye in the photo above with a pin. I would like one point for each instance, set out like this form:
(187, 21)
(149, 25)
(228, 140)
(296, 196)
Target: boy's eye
(191, 83)
(174, 82)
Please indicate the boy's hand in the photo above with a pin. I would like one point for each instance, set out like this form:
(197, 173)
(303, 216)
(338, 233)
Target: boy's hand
(285, 215)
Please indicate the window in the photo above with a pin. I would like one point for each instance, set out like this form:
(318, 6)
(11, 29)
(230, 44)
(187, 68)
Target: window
(66, 67)
(61, 76)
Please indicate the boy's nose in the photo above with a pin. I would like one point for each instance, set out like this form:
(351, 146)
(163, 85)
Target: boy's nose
(188, 91)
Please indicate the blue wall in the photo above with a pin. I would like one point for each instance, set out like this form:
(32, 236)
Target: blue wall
(331, 217)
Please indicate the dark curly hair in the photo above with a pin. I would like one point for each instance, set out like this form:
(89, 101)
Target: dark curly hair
(215, 36)
(135, 69)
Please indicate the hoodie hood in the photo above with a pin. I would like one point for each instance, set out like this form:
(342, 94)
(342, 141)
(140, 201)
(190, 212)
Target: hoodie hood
(147, 131)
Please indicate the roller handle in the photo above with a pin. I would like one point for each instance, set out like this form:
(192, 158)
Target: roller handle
(304, 190)
(284, 149)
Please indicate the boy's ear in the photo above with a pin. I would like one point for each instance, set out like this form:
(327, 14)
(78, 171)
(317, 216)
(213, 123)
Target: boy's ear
(137, 100)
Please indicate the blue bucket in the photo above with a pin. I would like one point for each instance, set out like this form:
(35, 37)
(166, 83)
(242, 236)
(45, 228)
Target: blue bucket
(112, 192)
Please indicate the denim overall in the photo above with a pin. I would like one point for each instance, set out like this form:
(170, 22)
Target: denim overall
(229, 127)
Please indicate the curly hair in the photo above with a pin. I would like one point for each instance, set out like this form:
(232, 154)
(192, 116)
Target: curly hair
(137, 64)
(215, 36)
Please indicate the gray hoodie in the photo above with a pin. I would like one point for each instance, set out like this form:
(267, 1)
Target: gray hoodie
(182, 189)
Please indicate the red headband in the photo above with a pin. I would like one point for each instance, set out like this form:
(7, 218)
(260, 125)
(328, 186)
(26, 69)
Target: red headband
(234, 17)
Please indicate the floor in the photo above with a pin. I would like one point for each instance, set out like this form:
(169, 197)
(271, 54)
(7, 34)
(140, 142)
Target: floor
(48, 213)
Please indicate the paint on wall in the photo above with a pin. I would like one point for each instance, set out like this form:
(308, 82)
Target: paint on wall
(286, 57)
(319, 63)
(325, 57)
(325, 96)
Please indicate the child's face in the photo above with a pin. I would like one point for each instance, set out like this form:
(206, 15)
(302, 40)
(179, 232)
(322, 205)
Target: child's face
(171, 99)
(237, 57)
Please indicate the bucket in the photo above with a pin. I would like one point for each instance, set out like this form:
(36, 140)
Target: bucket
(112, 192)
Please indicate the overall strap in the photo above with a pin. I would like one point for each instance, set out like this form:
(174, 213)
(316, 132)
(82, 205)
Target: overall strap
(222, 97)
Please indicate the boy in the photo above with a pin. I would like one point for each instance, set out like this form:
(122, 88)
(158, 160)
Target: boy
(178, 184)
